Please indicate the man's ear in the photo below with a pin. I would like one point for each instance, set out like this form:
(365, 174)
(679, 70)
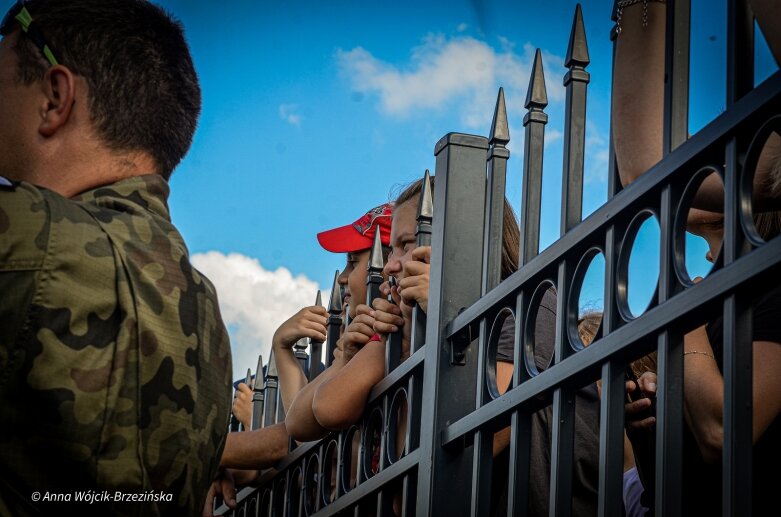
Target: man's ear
(59, 89)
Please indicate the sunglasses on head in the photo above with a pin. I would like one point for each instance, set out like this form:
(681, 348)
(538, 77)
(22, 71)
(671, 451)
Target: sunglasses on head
(19, 13)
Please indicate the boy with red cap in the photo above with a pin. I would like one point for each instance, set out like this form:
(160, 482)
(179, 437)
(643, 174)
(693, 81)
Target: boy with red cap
(356, 240)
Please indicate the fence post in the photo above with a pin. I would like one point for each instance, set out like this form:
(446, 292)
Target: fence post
(576, 82)
(448, 392)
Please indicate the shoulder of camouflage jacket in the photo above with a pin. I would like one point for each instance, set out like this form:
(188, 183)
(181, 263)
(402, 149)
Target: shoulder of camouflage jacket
(150, 407)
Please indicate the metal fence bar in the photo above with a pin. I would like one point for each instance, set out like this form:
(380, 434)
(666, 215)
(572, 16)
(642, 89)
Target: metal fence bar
(563, 435)
(740, 50)
(611, 426)
(669, 425)
(496, 178)
(271, 391)
(676, 98)
(422, 238)
(520, 426)
(576, 82)
(258, 395)
(333, 330)
(483, 440)
(458, 224)
(738, 356)
(534, 143)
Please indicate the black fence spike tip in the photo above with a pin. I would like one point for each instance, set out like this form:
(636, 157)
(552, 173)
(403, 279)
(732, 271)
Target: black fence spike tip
(426, 205)
(500, 130)
(319, 298)
(335, 302)
(537, 95)
(376, 263)
(271, 371)
(260, 381)
(577, 50)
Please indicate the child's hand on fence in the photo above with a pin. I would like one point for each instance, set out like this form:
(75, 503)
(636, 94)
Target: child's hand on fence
(308, 322)
(242, 405)
(413, 288)
(647, 386)
(387, 316)
(357, 334)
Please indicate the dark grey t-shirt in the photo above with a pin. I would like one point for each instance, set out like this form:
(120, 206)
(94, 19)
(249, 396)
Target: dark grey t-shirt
(586, 449)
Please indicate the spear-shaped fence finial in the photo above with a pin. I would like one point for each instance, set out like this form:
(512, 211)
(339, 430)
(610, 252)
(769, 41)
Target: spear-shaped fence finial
(536, 95)
(500, 129)
(577, 50)
(258, 395)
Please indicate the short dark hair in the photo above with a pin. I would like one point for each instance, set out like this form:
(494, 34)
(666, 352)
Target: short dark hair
(143, 90)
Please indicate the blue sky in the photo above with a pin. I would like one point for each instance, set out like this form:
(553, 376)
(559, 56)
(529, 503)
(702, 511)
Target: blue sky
(314, 112)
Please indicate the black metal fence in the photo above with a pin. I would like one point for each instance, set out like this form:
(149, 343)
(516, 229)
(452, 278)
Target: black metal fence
(446, 390)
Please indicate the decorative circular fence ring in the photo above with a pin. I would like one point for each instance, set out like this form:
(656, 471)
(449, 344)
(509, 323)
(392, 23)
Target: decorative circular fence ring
(680, 221)
(573, 304)
(350, 450)
(296, 494)
(279, 498)
(529, 328)
(624, 253)
(330, 472)
(265, 503)
(371, 459)
(311, 485)
(492, 349)
(745, 209)
(400, 399)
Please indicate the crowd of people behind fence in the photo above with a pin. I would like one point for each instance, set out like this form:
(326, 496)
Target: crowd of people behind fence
(115, 363)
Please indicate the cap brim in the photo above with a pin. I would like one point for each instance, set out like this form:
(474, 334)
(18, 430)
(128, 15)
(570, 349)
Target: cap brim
(344, 239)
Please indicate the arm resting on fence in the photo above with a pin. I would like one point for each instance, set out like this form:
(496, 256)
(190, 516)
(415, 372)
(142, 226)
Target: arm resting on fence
(258, 449)
(340, 401)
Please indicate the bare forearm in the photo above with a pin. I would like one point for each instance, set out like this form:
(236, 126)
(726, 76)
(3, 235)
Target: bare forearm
(638, 91)
(340, 400)
(258, 449)
(300, 420)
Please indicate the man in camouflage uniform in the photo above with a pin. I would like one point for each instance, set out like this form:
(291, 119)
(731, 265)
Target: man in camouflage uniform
(114, 361)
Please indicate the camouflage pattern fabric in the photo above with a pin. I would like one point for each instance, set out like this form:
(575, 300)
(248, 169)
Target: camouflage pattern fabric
(114, 361)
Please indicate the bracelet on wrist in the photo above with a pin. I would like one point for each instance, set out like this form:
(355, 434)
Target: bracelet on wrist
(700, 353)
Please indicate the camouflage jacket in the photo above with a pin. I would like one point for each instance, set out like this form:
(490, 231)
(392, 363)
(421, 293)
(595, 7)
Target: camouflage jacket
(115, 364)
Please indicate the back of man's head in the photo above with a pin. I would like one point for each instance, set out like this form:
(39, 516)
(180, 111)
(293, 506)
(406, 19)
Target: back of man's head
(143, 90)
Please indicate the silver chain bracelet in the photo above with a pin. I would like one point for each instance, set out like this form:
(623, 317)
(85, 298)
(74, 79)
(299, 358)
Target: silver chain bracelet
(623, 4)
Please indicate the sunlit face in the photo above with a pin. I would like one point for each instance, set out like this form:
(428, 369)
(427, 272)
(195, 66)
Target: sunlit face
(709, 226)
(353, 279)
(402, 238)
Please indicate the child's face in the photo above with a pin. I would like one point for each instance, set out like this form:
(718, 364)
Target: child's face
(353, 279)
(709, 226)
(402, 238)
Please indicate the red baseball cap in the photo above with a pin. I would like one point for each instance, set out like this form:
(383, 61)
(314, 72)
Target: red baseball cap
(360, 234)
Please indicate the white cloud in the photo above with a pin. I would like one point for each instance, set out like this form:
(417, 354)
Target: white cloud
(460, 72)
(254, 302)
(552, 135)
(462, 27)
(288, 112)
